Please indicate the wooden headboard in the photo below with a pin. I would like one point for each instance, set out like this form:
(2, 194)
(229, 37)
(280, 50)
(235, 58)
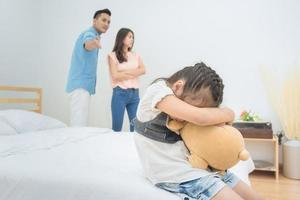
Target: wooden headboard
(36, 101)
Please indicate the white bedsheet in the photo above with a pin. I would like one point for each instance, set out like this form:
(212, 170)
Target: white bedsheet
(78, 164)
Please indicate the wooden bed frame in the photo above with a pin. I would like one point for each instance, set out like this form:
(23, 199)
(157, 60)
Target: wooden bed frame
(37, 101)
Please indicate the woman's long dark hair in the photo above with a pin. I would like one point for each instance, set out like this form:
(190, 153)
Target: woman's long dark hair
(119, 44)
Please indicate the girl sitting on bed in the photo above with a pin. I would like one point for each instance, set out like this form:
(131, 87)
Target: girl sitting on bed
(163, 153)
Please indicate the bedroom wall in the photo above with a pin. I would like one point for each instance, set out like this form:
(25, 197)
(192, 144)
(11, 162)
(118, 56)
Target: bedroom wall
(235, 37)
(19, 42)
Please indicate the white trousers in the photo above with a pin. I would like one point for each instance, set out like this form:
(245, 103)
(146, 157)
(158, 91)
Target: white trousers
(80, 103)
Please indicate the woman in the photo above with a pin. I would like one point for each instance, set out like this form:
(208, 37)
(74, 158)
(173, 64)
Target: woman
(125, 68)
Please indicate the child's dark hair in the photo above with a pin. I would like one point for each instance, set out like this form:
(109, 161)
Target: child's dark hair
(118, 47)
(99, 12)
(198, 77)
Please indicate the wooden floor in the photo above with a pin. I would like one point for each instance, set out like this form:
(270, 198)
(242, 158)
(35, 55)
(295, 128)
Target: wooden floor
(282, 189)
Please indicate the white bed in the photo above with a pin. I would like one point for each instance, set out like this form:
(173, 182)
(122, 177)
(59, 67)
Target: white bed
(77, 163)
(42, 159)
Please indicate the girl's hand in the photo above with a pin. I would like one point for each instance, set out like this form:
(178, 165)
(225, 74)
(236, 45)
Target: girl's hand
(229, 123)
(221, 124)
(176, 119)
(229, 113)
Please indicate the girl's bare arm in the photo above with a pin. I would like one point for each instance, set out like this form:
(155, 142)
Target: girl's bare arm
(179, 109)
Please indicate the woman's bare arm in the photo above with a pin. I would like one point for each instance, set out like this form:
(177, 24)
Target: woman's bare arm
(115, 73)
(140, 70)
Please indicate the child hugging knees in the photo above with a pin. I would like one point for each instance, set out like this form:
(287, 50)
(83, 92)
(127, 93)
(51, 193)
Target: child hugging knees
(192, 94)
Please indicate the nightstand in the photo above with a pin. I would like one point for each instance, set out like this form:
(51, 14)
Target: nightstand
(261, 164)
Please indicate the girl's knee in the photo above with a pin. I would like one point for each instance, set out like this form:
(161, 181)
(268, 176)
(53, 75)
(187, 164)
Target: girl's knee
(226, 193)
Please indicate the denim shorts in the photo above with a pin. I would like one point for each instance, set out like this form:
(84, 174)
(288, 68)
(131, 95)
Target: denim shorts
(203, 188)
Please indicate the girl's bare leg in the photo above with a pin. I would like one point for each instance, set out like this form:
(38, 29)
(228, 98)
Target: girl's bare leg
(246, 192)
(226, 193)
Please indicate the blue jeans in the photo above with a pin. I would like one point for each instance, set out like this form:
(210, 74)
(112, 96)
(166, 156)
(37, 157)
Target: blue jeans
(121, 99)
(204, 188)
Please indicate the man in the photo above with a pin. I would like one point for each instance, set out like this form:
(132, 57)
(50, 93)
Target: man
(83, 70)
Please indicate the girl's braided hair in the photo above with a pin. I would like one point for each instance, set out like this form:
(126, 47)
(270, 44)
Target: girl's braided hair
(198, 77)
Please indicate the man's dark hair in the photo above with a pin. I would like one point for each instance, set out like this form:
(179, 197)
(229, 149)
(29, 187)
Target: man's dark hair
(98, 12)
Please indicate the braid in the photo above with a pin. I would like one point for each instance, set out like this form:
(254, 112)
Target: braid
(216, 88)
(201, 77)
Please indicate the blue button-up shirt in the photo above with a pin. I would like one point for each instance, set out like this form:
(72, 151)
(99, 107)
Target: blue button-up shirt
(83, 69)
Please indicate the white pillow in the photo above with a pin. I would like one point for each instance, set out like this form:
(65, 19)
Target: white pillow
(26, 121)
(5, 127)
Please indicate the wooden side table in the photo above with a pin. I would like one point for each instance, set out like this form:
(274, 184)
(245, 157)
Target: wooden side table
(261, 165)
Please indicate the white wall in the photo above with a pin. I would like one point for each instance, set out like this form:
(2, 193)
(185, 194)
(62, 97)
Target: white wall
(19, 42)
(232, 36)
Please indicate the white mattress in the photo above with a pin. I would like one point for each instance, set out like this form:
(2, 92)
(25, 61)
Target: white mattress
(78, 164)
